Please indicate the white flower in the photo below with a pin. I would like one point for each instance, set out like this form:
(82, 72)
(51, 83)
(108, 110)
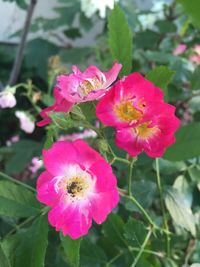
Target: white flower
(7, 98)
(26, 123)
(35, 165)
(90, 7)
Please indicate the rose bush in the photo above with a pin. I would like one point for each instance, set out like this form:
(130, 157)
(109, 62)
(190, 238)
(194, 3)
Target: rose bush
(100, 167)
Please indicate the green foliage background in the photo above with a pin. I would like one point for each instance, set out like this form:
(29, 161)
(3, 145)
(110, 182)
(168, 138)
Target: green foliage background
(127, 237)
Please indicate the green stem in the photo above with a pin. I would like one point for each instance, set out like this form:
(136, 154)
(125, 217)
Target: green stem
(18, 226)
(9, 178)
(148, 251)
(130, 176)
(114, 259)
(148, 218)
(163, 207)
(142, 248)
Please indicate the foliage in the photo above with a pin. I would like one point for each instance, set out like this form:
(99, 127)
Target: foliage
(158, 223)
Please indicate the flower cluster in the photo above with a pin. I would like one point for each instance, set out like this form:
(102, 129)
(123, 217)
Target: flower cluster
(78, 183)
(143, 122)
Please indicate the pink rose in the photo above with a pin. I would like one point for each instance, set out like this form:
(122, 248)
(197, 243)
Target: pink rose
(78, 185)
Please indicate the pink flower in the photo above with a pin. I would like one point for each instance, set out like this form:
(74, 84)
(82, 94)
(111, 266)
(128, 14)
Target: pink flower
(128, 101)
(180, 49)
(78, 185)
(87, 133)
(26, 122)
(88, 85)
(35, 165)
(197, 49)
(13, 139)
(60, 105)
(153, 135)
(195, 59)
(7, 98)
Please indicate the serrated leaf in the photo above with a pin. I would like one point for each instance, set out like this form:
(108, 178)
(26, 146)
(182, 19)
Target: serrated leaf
(90, 259)
(187, 143)
(135, 231)
(71, 250)
(195, 79)
(9, 246)
(179, 210)
(113, 228)
(16, 201)
(33, 243)
(76, 110)
(161, 76)
(23, 152)
(61, 120)
(4, 262)
(120, 39)
(193, 10)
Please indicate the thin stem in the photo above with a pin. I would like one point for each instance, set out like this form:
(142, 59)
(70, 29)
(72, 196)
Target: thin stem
(18, 226)
(9, 178)
(20, 52)
(114, 259)
(123, 193)
(163, 207)
(148, 218)
(142, 248)
(148, 251)
(130, 176)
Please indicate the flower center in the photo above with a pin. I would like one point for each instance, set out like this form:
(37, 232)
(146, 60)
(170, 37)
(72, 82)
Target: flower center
(127, 112)
(88, 86)
(145, 132)
(77, 187)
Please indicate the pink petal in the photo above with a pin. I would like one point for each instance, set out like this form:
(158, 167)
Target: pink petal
(60, 105)
(45, 189)
(102, 205)
(112, 74)
(87, 155)
(59, 157)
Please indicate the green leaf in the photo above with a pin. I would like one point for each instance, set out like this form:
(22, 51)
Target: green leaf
(147, 39)
(165, 26)
(135, 231)
(91, 254)
(161, 76)
(23, 151)
(167, 167)
(49, 139)
(120, 39)
(32, 247)
(76, 110)
(39, 50)
(17, 201)
(187, 143)
(113, 228)
(179, 210)
(9, 246)
(4, 262)
(145, 192)
(61, 120)
(193, 10)
(195, 79)
(184, 188)
(71, 249)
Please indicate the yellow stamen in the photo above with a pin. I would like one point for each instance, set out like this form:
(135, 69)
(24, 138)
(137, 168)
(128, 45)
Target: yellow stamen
(145, 132)
(127, 112)
(76, 187)
(88, 86)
